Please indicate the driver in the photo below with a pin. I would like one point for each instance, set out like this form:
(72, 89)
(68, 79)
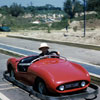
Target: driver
(44, 48)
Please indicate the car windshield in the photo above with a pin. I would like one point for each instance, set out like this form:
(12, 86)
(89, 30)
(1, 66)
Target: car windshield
(28, 59)
(33, 59)
(48, 56)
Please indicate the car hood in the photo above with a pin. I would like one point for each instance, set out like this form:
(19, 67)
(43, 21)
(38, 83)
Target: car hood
(63, 71)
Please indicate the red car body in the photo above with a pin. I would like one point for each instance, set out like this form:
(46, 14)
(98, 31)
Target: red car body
(55, 72)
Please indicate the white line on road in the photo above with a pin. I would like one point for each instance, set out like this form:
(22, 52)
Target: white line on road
(13, 52)
(92, 74)
(5, 84)
(8, 88)
(21, 48)
(3, 97)
(76, 60)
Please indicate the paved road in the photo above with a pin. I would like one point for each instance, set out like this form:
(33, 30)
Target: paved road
(6, 88)
(90, 56)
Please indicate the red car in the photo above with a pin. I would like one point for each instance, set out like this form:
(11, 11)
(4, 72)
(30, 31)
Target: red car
(49, 74)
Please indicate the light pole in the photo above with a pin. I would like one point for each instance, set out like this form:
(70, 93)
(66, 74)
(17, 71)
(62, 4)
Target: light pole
(84, 18)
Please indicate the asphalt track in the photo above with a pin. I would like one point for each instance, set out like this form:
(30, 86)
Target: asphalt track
(91, 68)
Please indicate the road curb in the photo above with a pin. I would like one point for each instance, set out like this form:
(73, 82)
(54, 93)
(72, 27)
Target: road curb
(11, 53)
(93, 47)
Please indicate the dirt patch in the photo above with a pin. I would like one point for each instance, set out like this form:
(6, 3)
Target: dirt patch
(92, 36)
(93, 23)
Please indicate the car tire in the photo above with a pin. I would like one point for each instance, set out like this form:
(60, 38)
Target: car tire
(41, 87)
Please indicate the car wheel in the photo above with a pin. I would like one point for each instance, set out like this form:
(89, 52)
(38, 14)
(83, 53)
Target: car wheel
(41, 87)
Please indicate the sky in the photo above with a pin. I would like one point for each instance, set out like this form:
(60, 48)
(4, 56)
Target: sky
(56, 3)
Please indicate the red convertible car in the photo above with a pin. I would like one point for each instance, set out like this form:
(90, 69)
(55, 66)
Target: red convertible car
(49, 74)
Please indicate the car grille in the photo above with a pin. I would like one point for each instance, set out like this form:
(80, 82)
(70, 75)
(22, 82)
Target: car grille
(73, 85)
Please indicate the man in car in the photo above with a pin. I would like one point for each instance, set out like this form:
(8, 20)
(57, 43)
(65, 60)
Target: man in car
(44, 48)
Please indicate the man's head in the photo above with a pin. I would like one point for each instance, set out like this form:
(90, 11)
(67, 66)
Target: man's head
(44, 47)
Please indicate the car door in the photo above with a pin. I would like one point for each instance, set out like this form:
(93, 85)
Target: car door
(26, 76)
(23, 71)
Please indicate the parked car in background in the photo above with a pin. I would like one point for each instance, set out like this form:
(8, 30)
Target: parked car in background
(4, 29)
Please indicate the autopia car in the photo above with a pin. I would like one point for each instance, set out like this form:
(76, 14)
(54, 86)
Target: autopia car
(49, 74)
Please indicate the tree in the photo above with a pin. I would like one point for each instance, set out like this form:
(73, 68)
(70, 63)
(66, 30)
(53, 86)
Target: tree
(31, 9)
(71, 7)
(68, 8)
(93, 5)
(78, 7)
(16, 10)
(4, 10)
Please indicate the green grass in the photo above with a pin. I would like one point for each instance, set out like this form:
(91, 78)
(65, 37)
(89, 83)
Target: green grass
(21, 23)
(17, 23)
(59, 25)
(95, 80)
(10, 53)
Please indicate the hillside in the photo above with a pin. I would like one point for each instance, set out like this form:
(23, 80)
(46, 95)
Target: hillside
(74, 34)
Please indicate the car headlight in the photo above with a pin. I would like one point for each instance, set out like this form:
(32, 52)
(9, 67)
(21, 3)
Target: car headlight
(61, 88)
(83, 83)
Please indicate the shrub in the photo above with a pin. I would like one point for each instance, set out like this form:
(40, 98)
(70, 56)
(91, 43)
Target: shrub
(59, 25)
(75, 28)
